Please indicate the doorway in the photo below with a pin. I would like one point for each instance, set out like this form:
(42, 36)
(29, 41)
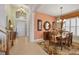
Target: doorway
(21, 28)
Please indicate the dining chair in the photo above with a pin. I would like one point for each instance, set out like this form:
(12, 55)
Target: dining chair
(69, 38)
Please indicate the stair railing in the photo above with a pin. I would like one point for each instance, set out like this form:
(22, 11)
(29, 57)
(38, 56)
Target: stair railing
(3, 42)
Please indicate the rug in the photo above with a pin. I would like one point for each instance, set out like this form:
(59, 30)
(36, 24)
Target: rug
(56, 50)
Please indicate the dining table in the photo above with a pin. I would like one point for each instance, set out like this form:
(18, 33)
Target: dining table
(61, 38)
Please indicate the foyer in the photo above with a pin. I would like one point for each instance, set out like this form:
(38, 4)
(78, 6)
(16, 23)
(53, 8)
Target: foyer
(23, 47)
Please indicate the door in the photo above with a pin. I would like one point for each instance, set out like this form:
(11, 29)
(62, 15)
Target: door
(21, 28)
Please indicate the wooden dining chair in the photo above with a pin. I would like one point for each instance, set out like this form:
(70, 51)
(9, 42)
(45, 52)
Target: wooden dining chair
(47, 37)
(69, 37)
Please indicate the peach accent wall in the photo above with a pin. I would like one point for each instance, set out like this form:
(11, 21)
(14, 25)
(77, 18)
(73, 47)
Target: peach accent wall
(43, 17)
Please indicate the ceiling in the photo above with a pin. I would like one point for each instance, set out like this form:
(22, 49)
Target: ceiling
(54, 9)
(34, 7)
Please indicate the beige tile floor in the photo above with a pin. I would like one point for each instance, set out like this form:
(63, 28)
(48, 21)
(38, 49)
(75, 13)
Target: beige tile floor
(23, 47)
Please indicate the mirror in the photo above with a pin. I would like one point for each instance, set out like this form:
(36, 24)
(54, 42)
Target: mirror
(47, 25)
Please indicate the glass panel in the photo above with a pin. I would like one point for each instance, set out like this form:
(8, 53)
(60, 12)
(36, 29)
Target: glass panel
(73, 21)
(67, 22)
(73, 30)
(67, 28)
(20, 28)
(78, 31)
(78, 21)
(64, 24)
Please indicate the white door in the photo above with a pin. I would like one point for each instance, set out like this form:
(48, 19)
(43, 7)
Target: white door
(21, 28)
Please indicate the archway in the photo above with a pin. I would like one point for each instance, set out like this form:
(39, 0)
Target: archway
(21, 22)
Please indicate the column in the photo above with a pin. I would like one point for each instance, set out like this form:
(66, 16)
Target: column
(32, 27)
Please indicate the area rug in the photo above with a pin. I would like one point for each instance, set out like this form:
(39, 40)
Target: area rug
(56, 50)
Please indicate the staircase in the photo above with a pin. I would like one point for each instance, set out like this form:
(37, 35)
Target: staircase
(2, 40)
(2, 45)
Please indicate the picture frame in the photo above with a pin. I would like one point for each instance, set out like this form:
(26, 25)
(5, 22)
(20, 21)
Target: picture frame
(53, 25)
(47, 25)
(39, 25)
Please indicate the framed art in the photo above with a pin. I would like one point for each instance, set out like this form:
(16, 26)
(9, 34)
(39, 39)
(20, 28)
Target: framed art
(47, 25)
(53, 25)
(39, 25)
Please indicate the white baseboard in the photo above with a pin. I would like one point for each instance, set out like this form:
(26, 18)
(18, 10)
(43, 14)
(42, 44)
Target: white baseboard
(36, 40)
(39, 40)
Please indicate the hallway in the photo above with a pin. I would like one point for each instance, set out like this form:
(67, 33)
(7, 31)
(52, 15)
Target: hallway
(23, 47)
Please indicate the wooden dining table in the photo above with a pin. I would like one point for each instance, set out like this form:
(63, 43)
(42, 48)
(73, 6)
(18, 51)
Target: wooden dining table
(61, 38)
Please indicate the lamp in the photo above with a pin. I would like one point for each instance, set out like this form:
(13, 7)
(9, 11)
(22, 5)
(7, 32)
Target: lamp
(11, 26)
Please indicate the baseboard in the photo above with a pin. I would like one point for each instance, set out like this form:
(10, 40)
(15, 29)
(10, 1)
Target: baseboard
(39, 40)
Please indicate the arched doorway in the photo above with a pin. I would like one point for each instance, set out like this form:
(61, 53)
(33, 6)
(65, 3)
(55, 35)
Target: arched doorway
(21, 22)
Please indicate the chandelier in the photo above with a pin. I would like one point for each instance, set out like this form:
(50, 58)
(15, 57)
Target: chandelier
(59, 20)
(20, 12)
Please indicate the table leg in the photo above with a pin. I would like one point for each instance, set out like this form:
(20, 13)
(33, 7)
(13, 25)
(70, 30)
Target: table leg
(61, 43)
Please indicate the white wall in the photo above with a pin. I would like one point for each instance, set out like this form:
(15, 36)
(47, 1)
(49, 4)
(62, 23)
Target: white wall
(2, 19)
(2, 15)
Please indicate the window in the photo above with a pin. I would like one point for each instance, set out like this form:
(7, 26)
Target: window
(67, 25)
(73, 21)
(78, 26)
(67, 22)
(78, 31)
(72, 25)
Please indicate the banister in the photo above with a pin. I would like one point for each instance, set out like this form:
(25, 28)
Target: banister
(2, 31)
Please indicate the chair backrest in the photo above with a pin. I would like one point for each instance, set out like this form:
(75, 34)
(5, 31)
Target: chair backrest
(71, 35)
(47, 35)
(67, 35)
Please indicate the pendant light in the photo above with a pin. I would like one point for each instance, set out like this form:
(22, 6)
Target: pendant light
(61, 20)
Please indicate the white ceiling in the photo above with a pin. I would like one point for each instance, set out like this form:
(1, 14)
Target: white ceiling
(33, 7)
(54, 9)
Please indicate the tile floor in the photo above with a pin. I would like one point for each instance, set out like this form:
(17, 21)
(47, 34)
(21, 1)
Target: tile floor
(23, 47)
